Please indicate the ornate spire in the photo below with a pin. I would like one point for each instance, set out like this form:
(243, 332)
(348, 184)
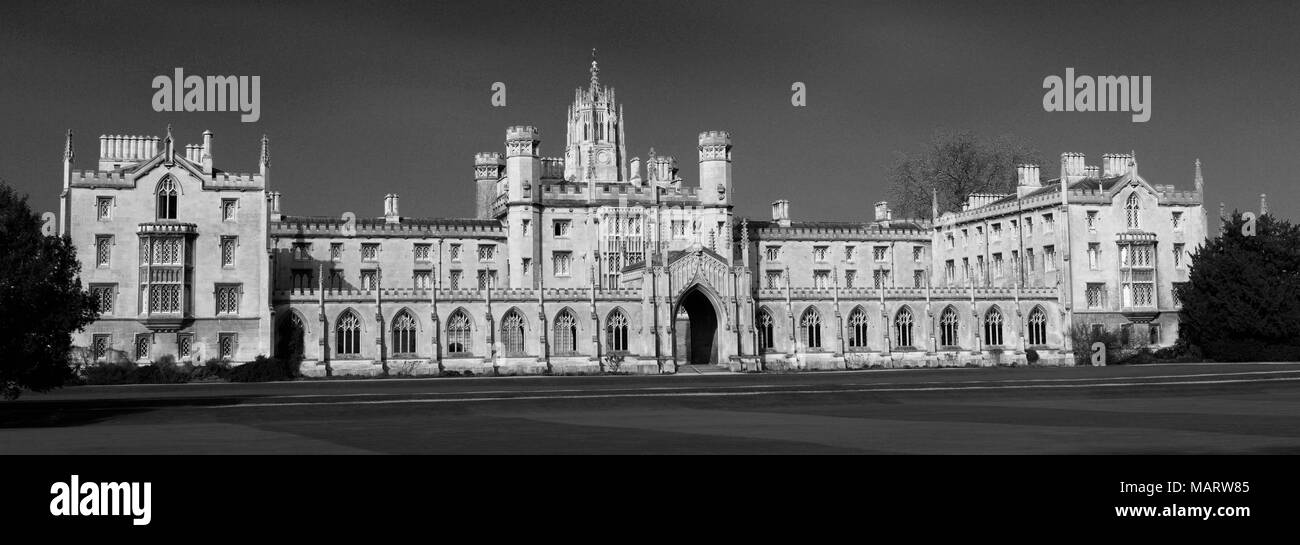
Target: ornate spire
(595, 73)
(67, 148)
(266, 150)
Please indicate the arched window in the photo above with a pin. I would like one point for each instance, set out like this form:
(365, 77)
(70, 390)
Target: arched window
(766, 330)
(404, 333)
(459, 340)
(1131, 211)
(616, 331)
(565, 333)
(347, 335)
(993, 327)
(858, 328)
(1037, 326)
(512, 333)
(948, 327)
(810, 328)
(903, 328)
(167, 199)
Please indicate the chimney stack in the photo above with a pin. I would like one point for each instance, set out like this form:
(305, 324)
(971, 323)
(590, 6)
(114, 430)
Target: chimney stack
(390, 209)
(1028, 176)
(882, 211)
(1115, 164)
(781, 212)
(205, 155)
(274, 197)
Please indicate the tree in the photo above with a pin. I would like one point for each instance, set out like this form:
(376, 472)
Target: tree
(956, 165)
(41, 300)
(1242, 298)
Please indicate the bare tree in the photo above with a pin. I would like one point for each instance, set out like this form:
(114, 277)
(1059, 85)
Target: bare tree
(956, 164)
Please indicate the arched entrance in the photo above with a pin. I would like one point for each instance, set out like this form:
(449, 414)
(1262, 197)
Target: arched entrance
(289, 338)
(696, 329)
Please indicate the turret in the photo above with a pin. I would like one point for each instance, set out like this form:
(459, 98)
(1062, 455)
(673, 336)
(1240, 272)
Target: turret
(715, 167)
(523, 165)
(488, 168)
(524, 173)
(595, 145)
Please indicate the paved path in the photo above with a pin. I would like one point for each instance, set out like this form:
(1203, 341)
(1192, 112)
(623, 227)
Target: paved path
(1200, 408)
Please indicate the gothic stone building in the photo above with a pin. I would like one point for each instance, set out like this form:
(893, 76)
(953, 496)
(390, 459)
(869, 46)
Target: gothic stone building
(595, 260)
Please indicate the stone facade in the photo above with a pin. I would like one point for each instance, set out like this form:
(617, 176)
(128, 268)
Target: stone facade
(595, 261)
(174, 249)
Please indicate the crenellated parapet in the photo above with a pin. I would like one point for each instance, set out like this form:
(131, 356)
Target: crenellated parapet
(522, 140)
(715, 146)
(488, 166)
(295, 226)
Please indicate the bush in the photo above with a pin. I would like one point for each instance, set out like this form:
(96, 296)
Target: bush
(212, 370)
(263, 369)
(163, 371)
(108, 373)
(1031, 356)
(1083, 336)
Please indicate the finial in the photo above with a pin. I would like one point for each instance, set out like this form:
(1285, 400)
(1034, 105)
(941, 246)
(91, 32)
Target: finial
(169, 131)
(266, 150)
(595, 72)
(1198, 180)
(67, 148)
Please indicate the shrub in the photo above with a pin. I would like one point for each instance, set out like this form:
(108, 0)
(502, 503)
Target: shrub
(212, 370)
(1031, 356)
(262, 369)
(614, 364)
(1083, 336)
(108, 373)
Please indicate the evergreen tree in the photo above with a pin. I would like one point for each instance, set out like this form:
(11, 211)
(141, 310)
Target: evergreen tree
(1242, 301)
(41, 300)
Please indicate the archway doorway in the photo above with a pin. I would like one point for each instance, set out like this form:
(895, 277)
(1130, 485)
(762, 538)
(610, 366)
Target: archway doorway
(696, 326)
(289, 338)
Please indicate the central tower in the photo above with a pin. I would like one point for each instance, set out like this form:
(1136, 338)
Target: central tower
(595, 149)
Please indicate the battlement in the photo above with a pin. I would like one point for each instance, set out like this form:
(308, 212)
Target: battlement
(296, 226)
(522, 132)
(226, 180)
(488, 158)
(453, 297)
(715, 138)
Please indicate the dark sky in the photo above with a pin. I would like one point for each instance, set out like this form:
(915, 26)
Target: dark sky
(363, 99)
